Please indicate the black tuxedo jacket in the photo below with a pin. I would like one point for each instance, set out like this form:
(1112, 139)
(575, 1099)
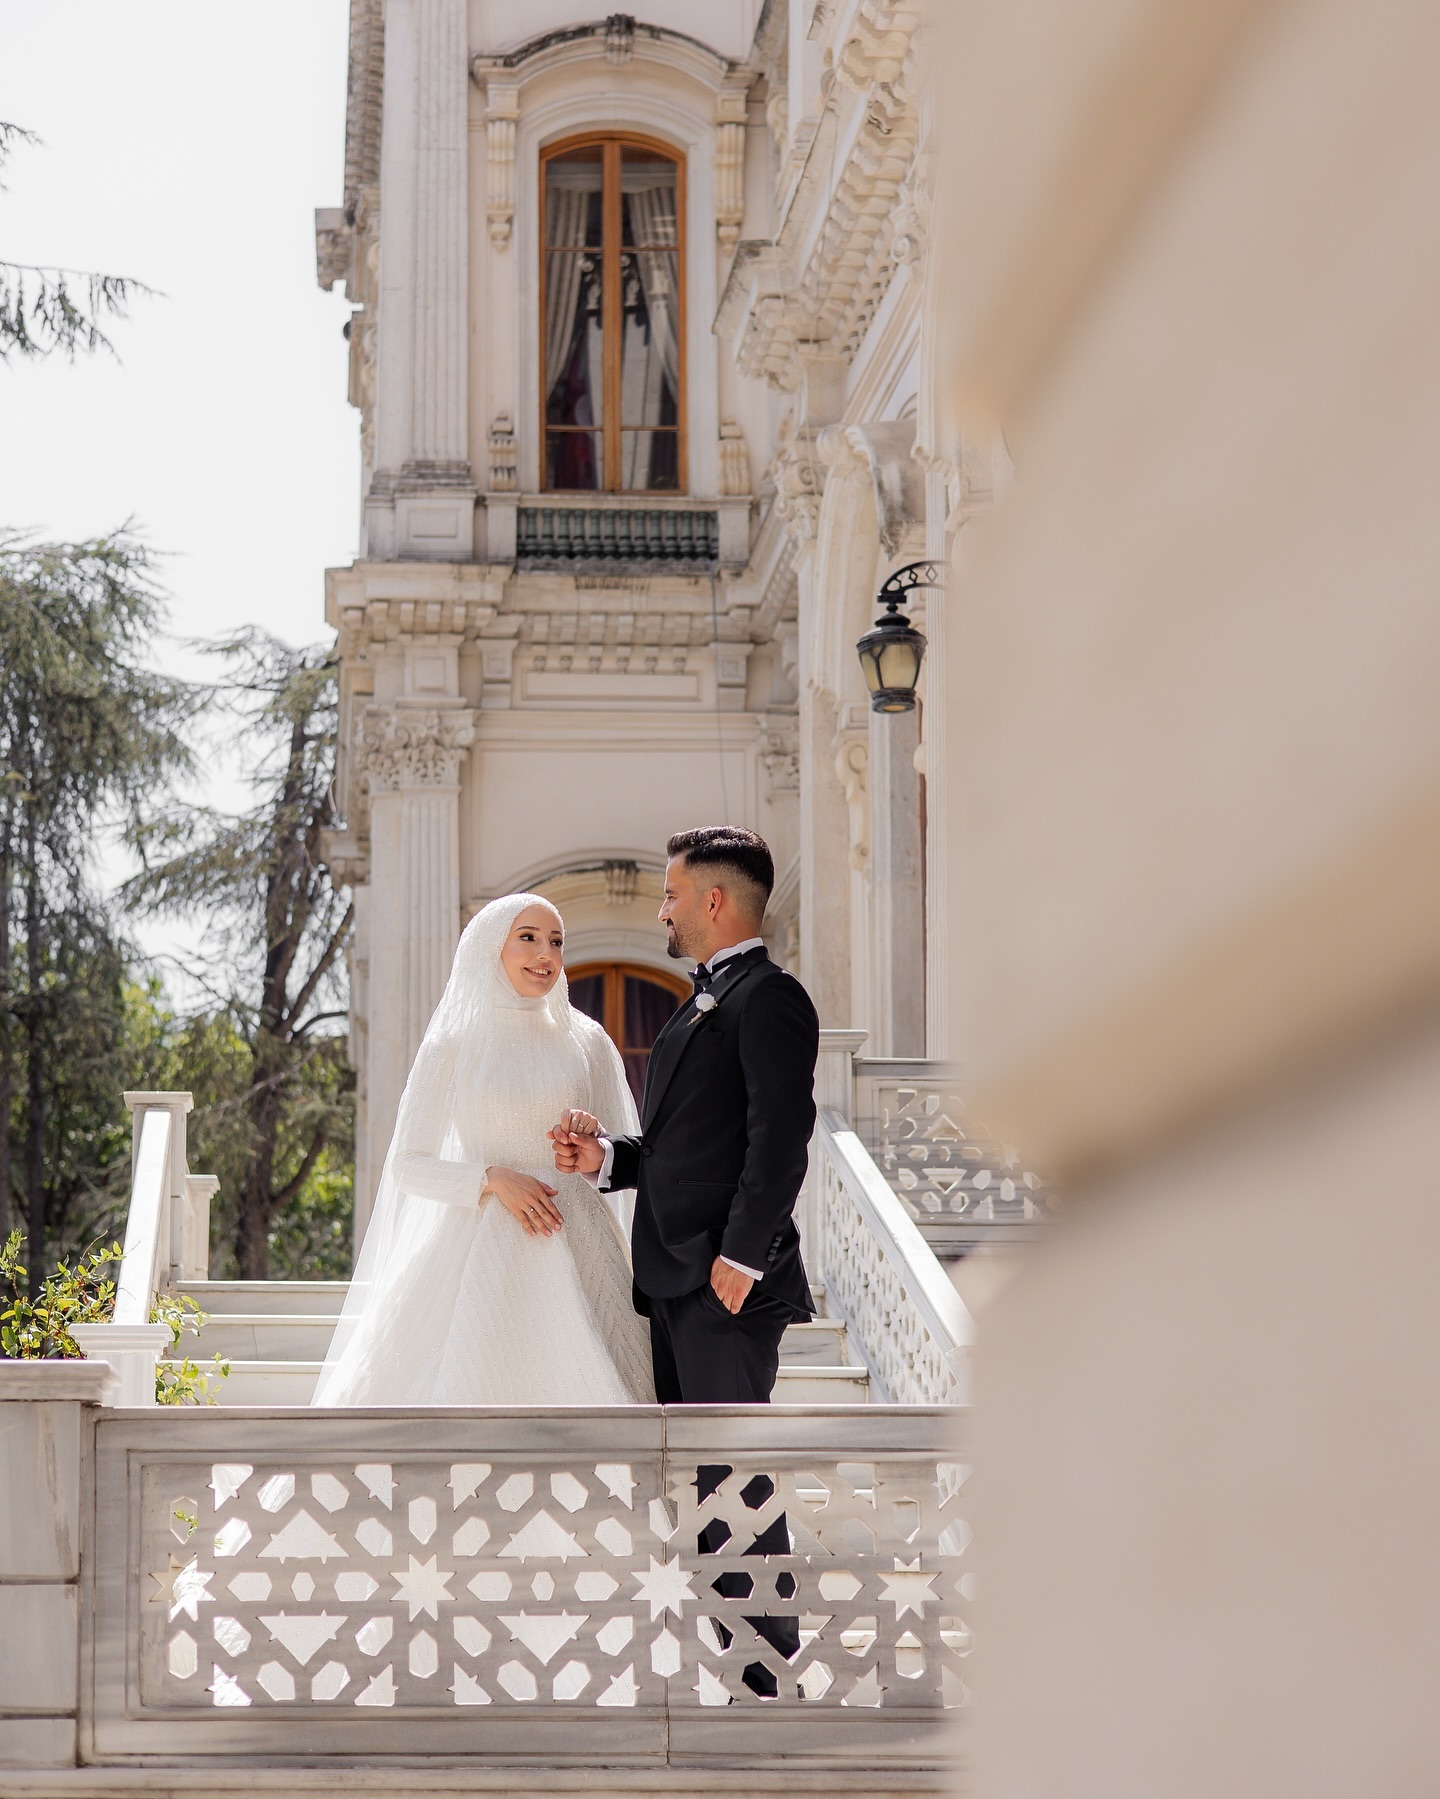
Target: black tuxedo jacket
(726, 1122)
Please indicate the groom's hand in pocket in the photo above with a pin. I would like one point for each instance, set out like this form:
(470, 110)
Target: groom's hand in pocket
(731, 1286)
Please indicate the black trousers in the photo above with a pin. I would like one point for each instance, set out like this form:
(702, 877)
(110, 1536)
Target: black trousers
(706, 1355)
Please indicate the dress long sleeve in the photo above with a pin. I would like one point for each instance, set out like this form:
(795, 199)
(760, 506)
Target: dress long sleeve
(418, 1167)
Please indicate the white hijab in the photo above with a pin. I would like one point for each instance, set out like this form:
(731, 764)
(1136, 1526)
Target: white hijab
(401, 1295)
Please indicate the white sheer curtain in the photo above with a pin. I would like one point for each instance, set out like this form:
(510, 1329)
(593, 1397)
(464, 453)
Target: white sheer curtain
(651, 349)
(568, 192)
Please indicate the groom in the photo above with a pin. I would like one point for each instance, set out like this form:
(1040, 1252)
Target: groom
(728, 1111)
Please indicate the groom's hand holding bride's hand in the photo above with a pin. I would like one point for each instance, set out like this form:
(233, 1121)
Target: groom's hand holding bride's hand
(576, 1138)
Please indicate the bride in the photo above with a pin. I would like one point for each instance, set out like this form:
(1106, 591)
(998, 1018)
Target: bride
(478, 1282)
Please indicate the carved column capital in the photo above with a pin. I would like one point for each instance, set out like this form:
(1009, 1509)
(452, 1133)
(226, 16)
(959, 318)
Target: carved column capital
(399, 747)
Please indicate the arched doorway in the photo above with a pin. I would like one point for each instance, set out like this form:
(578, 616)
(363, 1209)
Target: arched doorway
(632, 1003)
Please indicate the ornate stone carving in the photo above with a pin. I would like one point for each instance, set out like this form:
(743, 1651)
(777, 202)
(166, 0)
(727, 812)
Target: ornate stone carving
(729, 166)
(502, 453)
(879, 43)
(622, 882)
(619, 38)
(910, 231)
(402, 747)
(799, 479)
(852, 764)
(780, 756)
(734, 459)
(777, 115)
(501, 112)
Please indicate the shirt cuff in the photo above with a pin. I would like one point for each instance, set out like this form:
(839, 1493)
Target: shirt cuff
(756, 1274)
(600, 1180)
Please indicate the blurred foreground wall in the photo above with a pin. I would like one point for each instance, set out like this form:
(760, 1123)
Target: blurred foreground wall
(1195, 279)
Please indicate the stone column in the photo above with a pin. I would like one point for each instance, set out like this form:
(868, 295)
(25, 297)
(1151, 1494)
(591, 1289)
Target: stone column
(409, 759)
(46, 1410)
(422, 498)
(897, 1000)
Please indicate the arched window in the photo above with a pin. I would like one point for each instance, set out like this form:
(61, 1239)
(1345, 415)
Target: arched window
(632, 1003)
(612, 315)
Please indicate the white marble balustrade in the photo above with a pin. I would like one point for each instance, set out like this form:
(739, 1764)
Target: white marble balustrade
(529, 1586)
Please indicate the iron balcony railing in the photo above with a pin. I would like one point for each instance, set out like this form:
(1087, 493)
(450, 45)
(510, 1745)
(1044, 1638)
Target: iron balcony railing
(570, 536)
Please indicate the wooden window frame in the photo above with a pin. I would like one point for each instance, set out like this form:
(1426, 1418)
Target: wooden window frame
(615, 975)
(611, 143)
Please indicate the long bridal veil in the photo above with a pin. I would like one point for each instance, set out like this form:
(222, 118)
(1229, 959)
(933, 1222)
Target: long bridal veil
(402, 1295)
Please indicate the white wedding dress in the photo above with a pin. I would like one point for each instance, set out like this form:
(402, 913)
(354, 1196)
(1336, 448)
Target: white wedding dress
(453, 1303)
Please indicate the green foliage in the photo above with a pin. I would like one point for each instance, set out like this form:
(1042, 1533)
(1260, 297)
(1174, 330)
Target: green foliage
(45, 310)
(208, 1054)
(90, 733)
(280, 1111)
(36, 1326)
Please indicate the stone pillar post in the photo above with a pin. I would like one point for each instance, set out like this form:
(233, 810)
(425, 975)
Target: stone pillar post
(45, 1418)
(410, 757)
(422, 497)
(897, 1002)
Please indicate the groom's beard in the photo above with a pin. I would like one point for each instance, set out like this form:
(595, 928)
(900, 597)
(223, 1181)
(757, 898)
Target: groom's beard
(673, 946)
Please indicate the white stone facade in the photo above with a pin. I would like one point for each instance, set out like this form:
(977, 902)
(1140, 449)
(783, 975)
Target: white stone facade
(513, 721)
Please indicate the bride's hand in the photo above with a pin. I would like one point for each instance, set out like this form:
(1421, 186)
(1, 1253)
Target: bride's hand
(525, 1198)
(577, 1146)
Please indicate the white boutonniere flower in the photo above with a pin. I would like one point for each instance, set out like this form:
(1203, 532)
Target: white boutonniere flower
(705, 1002)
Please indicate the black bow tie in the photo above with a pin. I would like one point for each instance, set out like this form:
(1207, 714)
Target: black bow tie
(702, 978)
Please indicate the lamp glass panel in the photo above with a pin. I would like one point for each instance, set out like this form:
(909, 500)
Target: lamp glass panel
(899, 665)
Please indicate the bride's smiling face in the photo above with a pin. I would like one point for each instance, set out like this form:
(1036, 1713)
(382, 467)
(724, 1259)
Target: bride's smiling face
(532, 957)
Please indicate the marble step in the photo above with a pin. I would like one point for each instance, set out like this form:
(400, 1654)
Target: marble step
(308, 1298)
(260, 1383)
(305, 1337)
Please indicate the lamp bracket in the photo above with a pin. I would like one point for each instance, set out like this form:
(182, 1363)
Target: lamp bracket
(906, 579)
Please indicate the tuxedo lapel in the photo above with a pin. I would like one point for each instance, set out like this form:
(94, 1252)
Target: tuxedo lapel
(674, 1040)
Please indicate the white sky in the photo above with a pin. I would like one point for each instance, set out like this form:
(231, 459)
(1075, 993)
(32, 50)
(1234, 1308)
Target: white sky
(187, 143)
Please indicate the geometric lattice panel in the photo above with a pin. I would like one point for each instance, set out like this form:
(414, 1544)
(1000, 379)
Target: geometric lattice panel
(389, 1585)
(943, 1172)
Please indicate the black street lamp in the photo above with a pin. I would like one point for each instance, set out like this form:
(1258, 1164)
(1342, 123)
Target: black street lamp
(891, 654)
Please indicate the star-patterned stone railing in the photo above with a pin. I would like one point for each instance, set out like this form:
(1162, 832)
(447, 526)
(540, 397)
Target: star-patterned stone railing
(960, 1187)
(770, 1586)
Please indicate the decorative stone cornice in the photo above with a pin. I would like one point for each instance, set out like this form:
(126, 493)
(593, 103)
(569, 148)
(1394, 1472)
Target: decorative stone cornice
(822, 276)
(400, 746)
(879, 42)
(620, 39)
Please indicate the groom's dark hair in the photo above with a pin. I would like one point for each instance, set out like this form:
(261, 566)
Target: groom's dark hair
(743, 855)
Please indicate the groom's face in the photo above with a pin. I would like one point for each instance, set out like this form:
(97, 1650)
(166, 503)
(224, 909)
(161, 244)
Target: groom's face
(686, 912)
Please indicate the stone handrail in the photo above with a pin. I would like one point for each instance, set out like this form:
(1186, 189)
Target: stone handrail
(339, 1587)
(167, 1239)
(881, 1277)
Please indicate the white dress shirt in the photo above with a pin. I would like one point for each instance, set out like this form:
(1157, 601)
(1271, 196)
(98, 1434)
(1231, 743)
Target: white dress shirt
(602, 1178)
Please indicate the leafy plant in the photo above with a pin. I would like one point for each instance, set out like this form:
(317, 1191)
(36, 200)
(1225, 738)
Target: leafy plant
(36, 1326)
